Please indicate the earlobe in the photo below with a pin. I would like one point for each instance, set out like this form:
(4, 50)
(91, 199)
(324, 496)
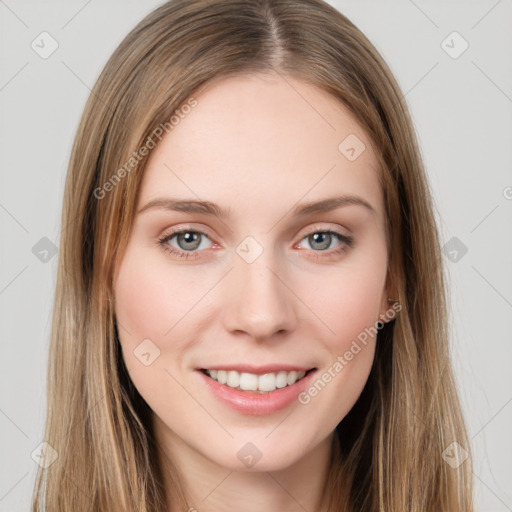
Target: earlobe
(389, 302)
(391, 311)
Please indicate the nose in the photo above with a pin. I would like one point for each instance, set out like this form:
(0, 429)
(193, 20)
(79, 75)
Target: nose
(258, 299)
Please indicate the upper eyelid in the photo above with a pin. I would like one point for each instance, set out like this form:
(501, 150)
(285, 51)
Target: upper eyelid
(316, 227)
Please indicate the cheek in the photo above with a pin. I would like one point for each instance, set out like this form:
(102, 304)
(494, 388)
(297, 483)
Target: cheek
(149, 299)
(149, 302)
(349, 303)
(349, 307)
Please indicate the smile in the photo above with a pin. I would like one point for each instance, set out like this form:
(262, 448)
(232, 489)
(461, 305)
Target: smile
(252, 382)
(268, 390)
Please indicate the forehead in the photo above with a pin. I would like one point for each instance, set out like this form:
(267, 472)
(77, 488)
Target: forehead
(273, 138)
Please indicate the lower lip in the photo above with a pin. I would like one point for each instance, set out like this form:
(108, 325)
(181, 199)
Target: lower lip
(257, 404)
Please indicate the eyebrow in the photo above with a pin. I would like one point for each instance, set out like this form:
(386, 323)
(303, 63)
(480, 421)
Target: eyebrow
(209, 208)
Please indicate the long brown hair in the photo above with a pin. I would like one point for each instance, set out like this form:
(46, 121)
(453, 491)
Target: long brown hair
(388, 450)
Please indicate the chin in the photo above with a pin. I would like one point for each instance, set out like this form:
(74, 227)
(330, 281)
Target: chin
(258, 456)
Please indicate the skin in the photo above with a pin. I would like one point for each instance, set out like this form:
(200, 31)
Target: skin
(258, 146)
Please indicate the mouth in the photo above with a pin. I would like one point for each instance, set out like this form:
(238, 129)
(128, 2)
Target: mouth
(262, 383)
(257, 391)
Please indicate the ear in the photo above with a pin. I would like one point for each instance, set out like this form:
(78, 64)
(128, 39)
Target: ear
(389, 296)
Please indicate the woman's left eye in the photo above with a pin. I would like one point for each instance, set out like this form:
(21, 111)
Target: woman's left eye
(320, 241)
(188, 243)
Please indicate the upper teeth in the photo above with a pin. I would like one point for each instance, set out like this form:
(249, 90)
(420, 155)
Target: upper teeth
(253, 382)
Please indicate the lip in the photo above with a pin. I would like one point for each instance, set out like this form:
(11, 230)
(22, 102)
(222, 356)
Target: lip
(257, 404)
(258, 370)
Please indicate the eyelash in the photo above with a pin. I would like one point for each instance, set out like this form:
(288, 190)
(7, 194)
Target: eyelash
(346, 240)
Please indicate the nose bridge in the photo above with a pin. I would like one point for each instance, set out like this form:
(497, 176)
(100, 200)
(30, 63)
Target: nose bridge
(258, 302)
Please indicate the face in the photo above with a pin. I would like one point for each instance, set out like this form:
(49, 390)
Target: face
(245, 259)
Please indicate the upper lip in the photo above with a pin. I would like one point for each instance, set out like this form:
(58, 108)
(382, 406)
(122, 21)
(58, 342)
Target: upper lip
(259, 370)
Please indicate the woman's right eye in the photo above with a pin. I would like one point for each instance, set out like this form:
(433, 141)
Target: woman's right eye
(187, 243)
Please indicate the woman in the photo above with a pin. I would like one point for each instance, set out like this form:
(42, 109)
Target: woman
(250, 308)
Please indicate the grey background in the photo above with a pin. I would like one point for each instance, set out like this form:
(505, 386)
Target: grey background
(462, 112)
